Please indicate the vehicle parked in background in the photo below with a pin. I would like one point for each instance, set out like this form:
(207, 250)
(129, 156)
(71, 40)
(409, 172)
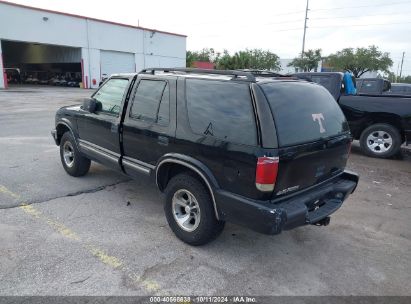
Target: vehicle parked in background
(62, 82)
(73, 79)
(43, 81)
(43, 77)
(382, 123)
(74, 83)
(268, 153)
(13, 75)
(400, 89)
(53, 80)
(31, 79)
(66, 79)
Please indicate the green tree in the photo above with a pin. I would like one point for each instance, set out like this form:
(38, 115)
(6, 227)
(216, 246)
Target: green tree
(206, 54)
(190, 58)
(308, 61)
(224, 61)
(392, 78)
(360, 60)
(255, 59)
(404, 79)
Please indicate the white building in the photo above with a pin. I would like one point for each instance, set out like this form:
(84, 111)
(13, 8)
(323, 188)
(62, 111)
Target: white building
(47, 42)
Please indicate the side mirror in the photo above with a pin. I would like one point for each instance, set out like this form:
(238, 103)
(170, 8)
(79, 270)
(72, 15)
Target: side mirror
(89, 105)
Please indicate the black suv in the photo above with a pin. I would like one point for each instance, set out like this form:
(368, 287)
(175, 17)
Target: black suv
(257, 150)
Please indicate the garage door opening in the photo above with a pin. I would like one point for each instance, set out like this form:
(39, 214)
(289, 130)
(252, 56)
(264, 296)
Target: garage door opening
(113, 62)
(41, 64)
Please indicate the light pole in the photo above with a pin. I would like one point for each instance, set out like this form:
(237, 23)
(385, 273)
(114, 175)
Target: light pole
(402, 62)
(305, 29)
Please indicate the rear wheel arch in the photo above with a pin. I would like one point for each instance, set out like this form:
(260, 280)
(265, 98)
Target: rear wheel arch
(169, 167)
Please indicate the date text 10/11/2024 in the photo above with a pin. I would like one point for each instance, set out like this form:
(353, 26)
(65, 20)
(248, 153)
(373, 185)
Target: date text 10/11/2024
(203, 299)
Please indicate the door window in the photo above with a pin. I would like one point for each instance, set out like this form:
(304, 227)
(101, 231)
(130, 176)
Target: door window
(221, 109)
(110, 96)
(151, 102)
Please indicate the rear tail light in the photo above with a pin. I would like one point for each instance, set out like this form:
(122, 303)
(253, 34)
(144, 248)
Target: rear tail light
(266, 173)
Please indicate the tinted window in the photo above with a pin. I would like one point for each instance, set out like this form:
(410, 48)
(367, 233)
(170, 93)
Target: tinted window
(152, 102)
(111, 95)
(369, 86)
(325, 81)
(303, 112)
(221, 109)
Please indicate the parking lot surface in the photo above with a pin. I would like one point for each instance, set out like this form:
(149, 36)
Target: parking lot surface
(104, 234)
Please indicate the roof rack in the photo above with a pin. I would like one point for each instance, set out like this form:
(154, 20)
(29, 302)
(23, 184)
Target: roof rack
(237, 75)
(263, 73)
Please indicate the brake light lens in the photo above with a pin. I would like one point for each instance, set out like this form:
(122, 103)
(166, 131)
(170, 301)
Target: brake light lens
(266, 173)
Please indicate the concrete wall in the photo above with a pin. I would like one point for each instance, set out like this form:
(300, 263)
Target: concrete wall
(151, 48)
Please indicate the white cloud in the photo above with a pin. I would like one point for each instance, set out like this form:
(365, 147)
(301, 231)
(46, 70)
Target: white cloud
(267, 24)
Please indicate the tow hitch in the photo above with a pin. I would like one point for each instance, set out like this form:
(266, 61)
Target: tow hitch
(324, 222)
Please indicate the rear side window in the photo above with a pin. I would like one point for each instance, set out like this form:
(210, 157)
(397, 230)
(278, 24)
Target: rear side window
(222, 110)
(151, 102)
(303, 112)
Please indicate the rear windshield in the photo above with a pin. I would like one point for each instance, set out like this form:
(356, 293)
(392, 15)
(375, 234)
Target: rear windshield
(303, 112)
(369, 86)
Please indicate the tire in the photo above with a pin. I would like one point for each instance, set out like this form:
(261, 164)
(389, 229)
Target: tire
(201, 225)
(75, 165)
(381, 141)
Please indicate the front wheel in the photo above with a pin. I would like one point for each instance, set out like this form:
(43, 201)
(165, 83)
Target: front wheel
(189, 210)
(380, 140)
(73, 161)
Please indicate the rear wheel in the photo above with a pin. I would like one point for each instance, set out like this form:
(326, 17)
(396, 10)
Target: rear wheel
(189, 210)
(380, 140)
(73, 161)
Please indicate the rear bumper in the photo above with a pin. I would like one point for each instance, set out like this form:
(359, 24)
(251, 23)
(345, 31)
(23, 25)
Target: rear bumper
(272, 217)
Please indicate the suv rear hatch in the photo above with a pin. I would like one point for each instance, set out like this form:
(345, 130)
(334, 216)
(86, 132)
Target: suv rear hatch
(313, 134)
